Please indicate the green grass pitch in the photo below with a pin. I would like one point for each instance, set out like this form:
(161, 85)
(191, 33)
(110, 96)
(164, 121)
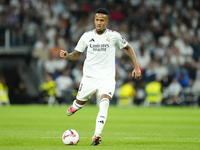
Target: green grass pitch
(39, 127)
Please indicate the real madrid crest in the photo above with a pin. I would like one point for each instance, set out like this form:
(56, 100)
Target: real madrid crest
(108, 39)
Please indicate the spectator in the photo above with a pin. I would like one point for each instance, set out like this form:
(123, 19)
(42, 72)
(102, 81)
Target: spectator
(196, 86)
(64, 84)
(21, 94)
(143, 56)
(176, 58)
(149, 75)
(182, 77)
(40, 52)
(173, 92)
(77, 74)
(154, 93)
(186, 50)
(117, 14)
(55, 65)
(126, 93)
(48, 90)
(196, 48)
(161, 71)
(165, 39)
(192, 71)
(30, 28)
(4, 97)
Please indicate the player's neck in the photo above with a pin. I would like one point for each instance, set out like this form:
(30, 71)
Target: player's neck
(100, 32)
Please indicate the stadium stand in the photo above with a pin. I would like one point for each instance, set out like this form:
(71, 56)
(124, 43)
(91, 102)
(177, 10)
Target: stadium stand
(165, 35)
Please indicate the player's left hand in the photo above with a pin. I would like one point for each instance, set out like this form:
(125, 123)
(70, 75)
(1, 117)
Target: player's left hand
(136, 73)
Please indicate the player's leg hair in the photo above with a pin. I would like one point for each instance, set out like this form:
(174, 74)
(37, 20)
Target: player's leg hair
(102, 115)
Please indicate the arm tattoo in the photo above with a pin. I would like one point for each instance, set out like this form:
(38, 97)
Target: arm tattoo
(74, 55)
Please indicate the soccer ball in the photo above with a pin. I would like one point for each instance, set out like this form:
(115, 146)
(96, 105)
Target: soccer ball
(70, 137)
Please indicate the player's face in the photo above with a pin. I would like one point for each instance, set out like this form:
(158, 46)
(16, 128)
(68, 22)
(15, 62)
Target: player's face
(100, 21)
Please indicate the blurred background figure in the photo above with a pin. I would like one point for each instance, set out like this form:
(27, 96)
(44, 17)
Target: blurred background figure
(182, 77)
(21, 94)
(64, 86)
(173, 93)
(4, 96)
(154, 93)
(48, 91)
(196, 86)
(126, 93)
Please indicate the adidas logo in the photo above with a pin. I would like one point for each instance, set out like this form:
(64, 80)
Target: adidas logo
(110, 93)
(92, 40)
(101, 121)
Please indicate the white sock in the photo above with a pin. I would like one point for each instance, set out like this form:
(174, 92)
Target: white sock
(102, 116)
(77, 106)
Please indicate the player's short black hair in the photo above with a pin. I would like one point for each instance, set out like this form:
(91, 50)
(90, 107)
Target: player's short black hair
(102, 11)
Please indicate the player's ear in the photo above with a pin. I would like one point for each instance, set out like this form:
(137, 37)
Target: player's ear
(107, 21)
(94, 17)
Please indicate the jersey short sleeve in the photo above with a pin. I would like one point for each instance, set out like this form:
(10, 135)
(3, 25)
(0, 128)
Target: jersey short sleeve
(121, 42)
(81, 45)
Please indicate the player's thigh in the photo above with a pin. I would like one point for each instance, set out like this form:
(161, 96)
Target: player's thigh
(106, 86)
(86, 89)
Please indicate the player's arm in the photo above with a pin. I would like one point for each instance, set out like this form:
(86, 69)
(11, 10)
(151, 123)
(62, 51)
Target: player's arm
(136, 72)
(72, 56)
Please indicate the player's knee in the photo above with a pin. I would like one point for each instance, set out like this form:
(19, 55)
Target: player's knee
(105, 96)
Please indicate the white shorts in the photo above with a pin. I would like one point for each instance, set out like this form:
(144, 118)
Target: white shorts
(89, 86)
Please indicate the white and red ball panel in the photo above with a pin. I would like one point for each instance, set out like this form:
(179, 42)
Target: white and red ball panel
(70, 137)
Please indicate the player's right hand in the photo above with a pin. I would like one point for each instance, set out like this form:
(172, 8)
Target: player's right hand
(136, 73)
(63, 54)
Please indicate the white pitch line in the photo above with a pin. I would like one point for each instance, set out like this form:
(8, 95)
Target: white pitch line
(87, 137)
(57, 137)
(135, 138)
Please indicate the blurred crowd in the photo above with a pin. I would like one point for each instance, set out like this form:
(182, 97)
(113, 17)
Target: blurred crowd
(165, 35)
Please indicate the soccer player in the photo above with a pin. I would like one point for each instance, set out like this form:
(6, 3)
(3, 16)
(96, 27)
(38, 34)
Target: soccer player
(99, 67)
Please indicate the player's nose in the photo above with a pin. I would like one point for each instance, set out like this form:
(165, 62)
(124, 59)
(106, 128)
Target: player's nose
(98, 22)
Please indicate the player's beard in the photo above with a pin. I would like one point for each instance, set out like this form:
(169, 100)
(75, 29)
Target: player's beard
(100, 31)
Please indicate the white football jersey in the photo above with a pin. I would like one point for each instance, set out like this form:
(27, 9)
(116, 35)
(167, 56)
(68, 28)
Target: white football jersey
(100, 57)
